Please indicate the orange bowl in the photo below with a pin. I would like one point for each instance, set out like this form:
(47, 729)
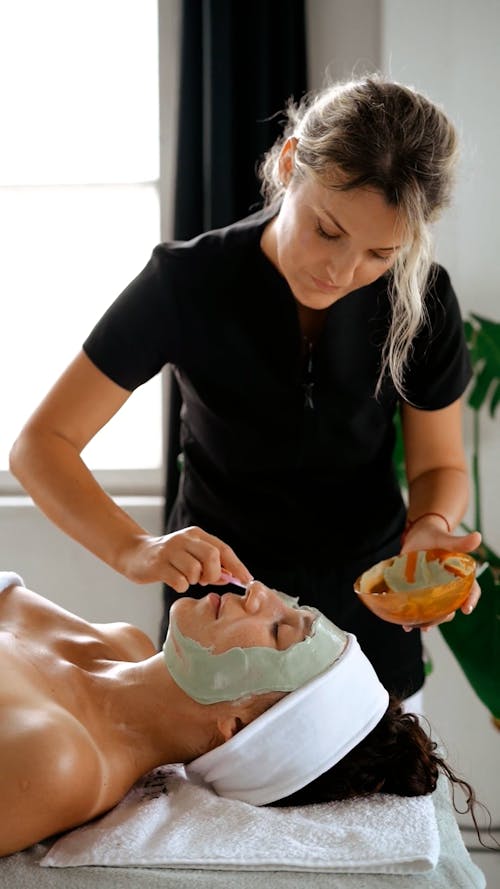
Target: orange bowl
(407, 596)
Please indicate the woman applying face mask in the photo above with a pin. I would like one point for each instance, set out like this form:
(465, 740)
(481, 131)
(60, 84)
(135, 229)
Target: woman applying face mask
(295, 335)
(244, 685)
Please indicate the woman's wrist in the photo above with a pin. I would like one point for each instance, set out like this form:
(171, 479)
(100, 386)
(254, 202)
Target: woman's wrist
(410, 523)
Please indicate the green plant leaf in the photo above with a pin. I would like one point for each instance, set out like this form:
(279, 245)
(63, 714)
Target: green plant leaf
(484, 553)
(483, 340)
(481, 385)
(475, 641)
(468, 330)
(495, 399)
(398, 454)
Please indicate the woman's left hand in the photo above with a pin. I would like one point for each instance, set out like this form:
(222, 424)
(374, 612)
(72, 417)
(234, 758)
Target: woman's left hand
(429, 533)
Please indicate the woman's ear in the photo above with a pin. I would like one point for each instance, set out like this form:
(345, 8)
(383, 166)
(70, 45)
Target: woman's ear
(287, 159)
(229, 726)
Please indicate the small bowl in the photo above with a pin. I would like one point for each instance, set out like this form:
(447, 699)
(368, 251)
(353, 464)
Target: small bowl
(424, 600)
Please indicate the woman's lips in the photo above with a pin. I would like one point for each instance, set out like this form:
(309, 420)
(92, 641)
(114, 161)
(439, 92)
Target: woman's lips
(215, 600)
(326, 286)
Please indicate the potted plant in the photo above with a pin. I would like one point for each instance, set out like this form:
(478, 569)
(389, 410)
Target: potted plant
(475, 639)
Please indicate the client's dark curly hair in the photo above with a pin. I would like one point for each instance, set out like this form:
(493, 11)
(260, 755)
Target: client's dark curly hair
(397, 756)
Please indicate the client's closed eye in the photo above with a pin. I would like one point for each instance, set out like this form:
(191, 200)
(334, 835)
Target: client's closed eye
(286, 634)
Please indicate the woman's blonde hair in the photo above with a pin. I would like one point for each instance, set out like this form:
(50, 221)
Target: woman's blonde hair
(390, 138)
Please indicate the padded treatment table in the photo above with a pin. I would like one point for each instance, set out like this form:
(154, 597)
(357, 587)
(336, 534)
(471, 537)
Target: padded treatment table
(455, 869)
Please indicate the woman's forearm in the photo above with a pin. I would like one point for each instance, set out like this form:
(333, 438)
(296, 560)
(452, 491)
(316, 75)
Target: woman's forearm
(54, 475)
(443, 490)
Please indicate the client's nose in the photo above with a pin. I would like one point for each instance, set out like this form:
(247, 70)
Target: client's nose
(256, 597)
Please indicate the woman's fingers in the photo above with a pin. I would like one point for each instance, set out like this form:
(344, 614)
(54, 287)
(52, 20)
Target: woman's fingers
(426, 536)
(186, 565)
(216, 556)
(472, 599)
(176, 580)
(429, 626)
(467, 543)
(232, 565)
(467, 608)
(193, 556)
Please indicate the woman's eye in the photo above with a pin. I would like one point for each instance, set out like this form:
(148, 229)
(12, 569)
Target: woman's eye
(324, 234)
(382, 258)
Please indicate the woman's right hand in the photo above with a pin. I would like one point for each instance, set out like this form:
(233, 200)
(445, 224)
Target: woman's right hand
(181, 559)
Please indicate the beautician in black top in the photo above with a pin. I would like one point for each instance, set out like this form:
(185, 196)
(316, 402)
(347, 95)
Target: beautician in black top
(294, 335)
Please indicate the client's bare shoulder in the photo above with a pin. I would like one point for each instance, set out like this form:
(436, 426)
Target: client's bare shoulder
(31, 615)
(52, 773)
(128, 642)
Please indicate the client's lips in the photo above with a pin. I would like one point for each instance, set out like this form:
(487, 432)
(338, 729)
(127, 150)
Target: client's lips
(214, 600)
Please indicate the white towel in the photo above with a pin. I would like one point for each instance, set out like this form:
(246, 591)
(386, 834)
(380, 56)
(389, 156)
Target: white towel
(167, 821)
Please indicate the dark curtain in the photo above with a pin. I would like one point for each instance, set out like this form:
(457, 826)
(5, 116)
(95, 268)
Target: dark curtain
(240, 62)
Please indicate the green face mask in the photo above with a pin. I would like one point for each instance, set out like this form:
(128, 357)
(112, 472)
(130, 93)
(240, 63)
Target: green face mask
(238, 672)
(426, 574)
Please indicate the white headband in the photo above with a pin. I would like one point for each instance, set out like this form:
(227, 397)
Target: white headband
(9, 578)
(300, 737)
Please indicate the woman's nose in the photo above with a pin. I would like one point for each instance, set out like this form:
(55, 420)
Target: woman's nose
(341, 271)
(256, 597)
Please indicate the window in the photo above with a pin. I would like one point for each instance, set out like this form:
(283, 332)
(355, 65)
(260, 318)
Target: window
(79, 202)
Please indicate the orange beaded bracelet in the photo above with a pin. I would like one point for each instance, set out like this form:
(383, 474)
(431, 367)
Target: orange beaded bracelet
(411, 522)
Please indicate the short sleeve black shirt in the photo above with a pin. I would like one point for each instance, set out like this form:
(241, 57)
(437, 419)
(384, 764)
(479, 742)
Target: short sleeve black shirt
(284, 456)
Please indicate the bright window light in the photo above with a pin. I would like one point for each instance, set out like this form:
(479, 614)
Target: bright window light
(79, 98)
(79, 199)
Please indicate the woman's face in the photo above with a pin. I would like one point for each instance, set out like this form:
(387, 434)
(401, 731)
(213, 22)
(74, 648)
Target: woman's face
(259, 618)
(327, 243)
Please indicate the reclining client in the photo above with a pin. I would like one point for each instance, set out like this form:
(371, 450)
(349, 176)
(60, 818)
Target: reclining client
(263, 700)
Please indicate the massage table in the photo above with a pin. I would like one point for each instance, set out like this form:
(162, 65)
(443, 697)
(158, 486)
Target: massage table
(454, 870)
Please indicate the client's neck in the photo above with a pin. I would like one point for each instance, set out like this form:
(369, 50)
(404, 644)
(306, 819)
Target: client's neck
(154, 717)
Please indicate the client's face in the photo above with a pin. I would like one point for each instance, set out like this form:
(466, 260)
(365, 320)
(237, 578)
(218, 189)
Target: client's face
(259, 618)
(221, 649)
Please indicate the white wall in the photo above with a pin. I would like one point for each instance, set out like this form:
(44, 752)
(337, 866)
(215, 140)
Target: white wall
(52, 564)
(449, 50)
(343, 38)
